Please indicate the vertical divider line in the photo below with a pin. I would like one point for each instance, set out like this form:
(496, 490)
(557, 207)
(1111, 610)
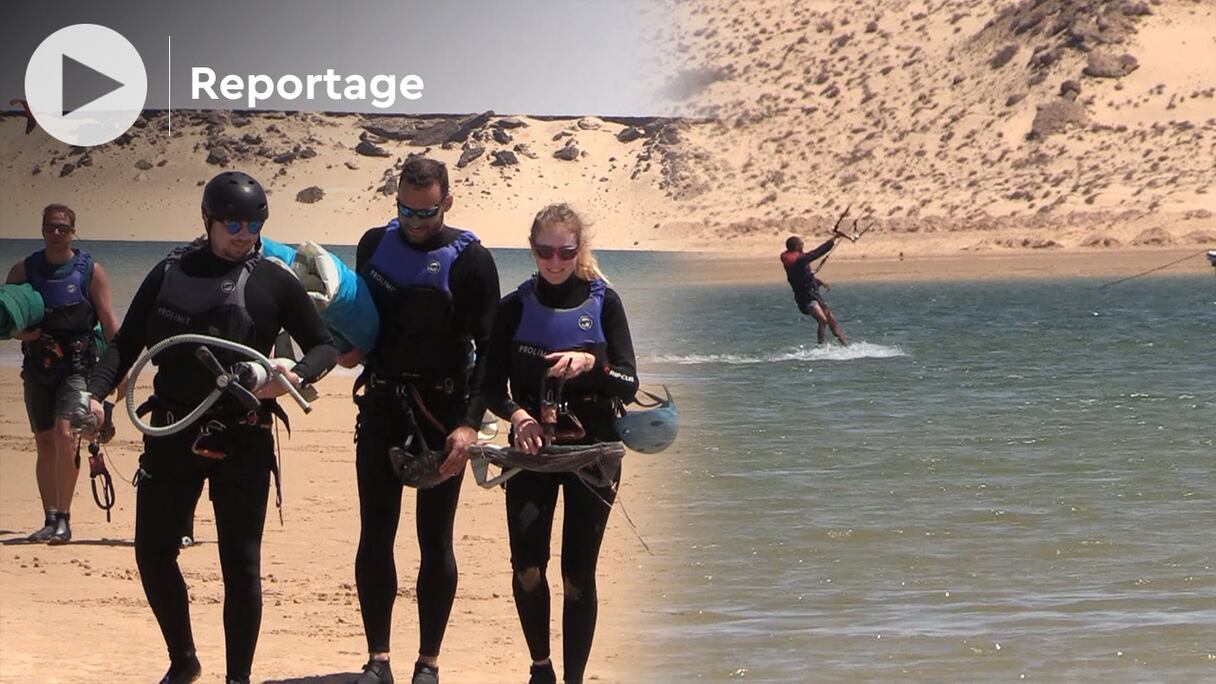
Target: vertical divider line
(170, 94)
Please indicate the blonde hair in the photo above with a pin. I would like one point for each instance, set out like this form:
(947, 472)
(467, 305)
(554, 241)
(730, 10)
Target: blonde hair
(562, 214)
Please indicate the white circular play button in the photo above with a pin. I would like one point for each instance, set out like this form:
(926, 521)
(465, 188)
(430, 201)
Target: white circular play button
(85, 84)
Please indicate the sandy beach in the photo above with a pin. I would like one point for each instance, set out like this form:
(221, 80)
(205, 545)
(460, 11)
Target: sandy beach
(86, 596)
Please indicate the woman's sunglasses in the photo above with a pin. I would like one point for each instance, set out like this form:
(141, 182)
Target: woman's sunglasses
(548, 252)
(406, 212)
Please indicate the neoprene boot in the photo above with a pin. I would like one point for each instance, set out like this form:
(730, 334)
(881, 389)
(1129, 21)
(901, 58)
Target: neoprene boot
(48, 528)
(376, 672)
(425, 674)
(183, 671)
(543, 674)
(63, 530)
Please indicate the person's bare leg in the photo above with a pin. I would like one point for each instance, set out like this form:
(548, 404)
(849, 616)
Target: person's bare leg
(835, 326)
(816, 312)
(66, 469)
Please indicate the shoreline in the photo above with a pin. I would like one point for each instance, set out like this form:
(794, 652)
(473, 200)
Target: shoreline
(754, 264)
(1021, 265)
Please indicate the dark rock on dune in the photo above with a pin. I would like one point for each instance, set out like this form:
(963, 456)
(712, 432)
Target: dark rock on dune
(370, 150)
(567, 153)
(1109, 65)
(471, 152)
(310, 195)
(451, 130)
(389, 129)
(1056, 117)
(629, 134)
(503, 158)
(219, 156)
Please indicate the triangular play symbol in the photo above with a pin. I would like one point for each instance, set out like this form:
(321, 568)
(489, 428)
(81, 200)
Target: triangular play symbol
(83, 84)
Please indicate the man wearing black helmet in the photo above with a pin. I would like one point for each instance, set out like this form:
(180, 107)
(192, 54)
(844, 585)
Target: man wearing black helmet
(222, 288)
(436, 289)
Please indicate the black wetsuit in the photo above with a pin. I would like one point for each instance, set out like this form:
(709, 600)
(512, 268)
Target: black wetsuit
(450, 392)
(531, 497)
(802, 278)
(171, 474)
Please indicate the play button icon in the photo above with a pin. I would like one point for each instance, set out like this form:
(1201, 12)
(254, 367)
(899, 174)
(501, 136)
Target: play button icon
(82, 84)
(85, 84)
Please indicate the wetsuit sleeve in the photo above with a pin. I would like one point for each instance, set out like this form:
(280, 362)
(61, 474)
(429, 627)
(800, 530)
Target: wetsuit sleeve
(817, 252)
(367, 247)
(131, 338)
(620, 366)
(475, 293)
(498, 359)
(301, 320)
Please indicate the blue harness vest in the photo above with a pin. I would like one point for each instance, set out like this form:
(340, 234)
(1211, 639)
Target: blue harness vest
(65, 293)
(69, 318)
(543, 330)
(412, 290)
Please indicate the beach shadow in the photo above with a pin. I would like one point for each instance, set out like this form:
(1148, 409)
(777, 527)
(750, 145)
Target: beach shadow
(336, 678)
(20, 541)
(103, 542)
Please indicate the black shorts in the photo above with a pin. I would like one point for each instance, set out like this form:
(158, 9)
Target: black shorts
(806, 300)
(46, 398)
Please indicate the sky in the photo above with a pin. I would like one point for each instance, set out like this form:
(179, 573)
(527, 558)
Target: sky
(540, 57)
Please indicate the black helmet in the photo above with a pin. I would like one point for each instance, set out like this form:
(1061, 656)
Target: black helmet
(235, 196)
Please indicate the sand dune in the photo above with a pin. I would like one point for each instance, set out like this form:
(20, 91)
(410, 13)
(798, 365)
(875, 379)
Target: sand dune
(1025, 126)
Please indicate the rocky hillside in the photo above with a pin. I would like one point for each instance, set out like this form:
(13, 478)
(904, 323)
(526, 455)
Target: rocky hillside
(332, 175)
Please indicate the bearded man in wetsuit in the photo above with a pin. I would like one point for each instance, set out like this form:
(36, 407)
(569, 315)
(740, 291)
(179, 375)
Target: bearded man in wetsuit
(436, 289)
(802, 279)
